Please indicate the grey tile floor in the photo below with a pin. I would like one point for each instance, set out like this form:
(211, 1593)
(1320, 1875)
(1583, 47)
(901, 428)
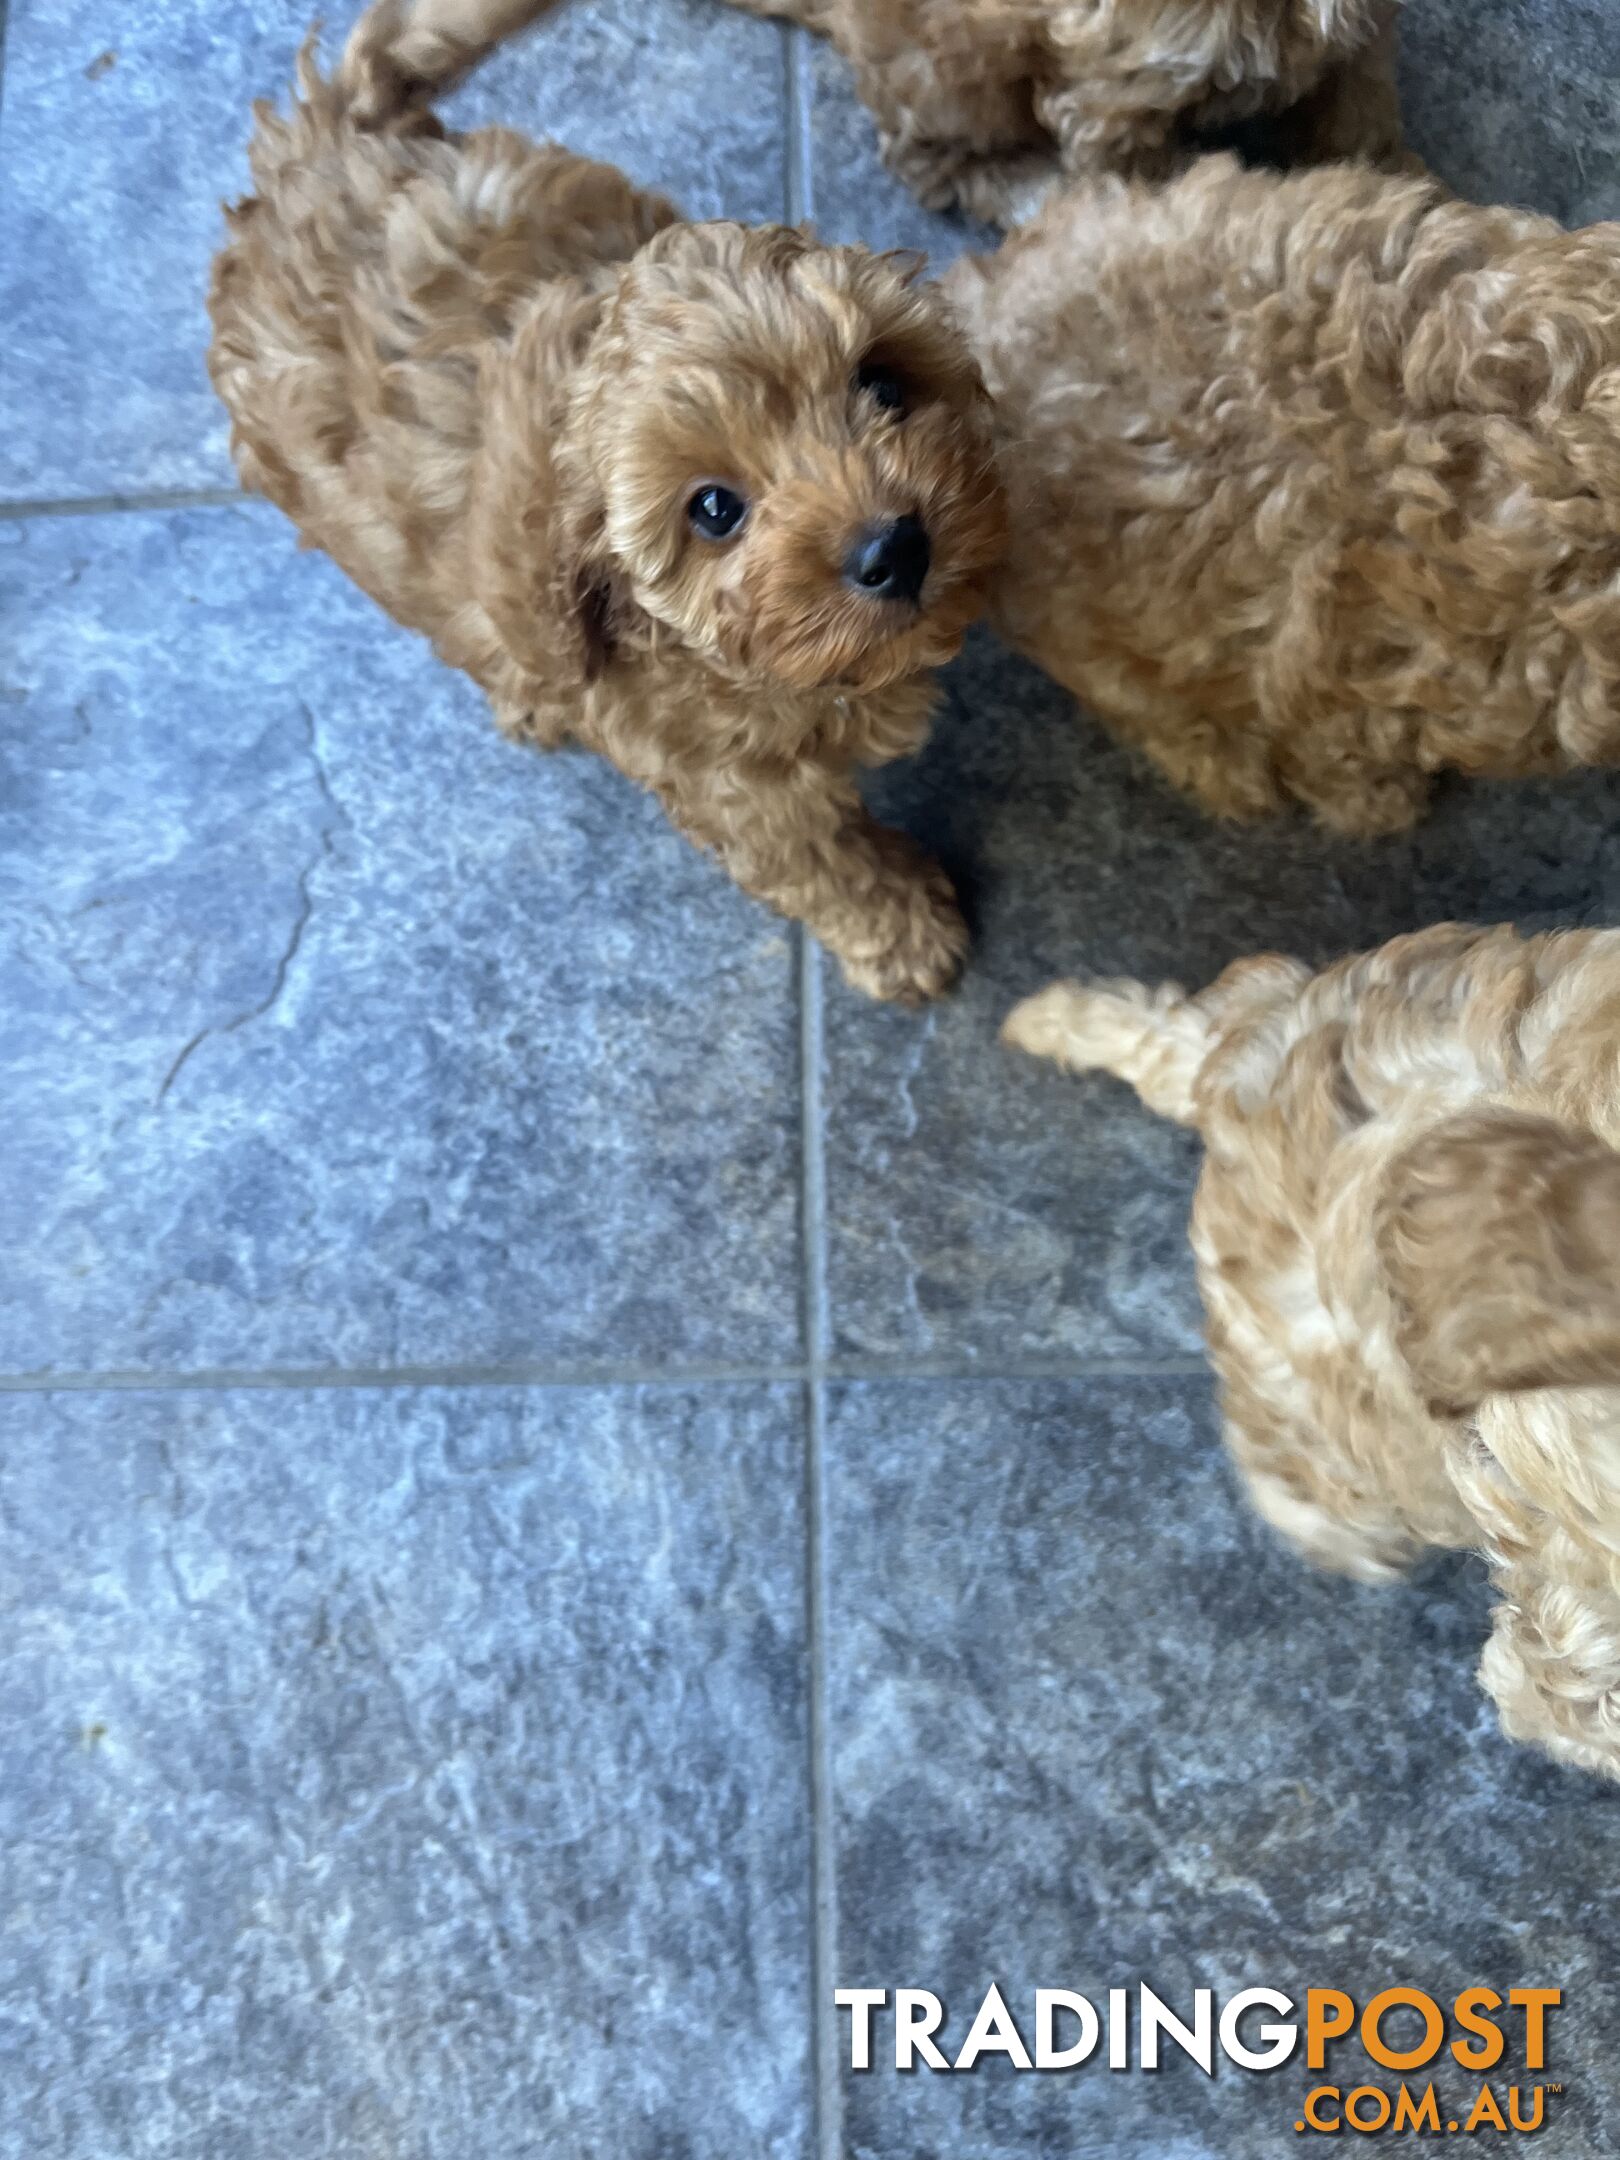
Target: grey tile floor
(564, 1484)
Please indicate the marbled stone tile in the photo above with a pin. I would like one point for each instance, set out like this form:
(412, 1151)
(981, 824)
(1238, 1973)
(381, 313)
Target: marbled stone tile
(125, 128)
(1091, 1726)
(855, 198)
(1518, 100)
(982, 1203)
(405, 1775)
(336, 1029)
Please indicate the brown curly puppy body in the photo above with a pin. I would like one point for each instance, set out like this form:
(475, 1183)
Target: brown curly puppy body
(1408, 1242)
(710, 500)
(986, 104)
(1316, 480)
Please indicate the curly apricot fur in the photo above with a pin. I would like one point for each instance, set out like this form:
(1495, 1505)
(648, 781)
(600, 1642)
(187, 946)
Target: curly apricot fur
(986, 105)
(1315, 480)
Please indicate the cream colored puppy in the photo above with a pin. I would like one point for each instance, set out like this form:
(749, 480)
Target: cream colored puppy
(1408, 1243)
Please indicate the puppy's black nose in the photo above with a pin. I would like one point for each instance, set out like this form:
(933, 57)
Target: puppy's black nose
(890, 562)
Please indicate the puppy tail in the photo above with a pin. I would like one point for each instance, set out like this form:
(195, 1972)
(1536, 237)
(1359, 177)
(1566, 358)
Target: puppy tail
(1500, 1235)
(402, 54)
(1157, 1039)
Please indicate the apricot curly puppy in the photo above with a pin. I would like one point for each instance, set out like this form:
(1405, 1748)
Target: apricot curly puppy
(711, 501)
(1408, 1241)
(985, 105)
(1315, 480)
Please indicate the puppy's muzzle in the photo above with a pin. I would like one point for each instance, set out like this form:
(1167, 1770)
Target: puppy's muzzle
(890, 562)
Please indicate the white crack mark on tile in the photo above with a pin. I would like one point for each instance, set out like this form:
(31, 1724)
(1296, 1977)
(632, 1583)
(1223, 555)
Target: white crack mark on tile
(295, 938)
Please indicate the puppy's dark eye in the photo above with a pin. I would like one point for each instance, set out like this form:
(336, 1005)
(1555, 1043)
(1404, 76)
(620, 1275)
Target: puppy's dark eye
(882, 383)
(716, 512)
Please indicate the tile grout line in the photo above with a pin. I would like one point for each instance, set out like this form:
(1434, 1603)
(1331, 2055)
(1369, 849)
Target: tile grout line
(825, 2089)
(219, 498)
(823, 1859)
(798, 175)
(561, 1375)
(381, 1378)
(1036, 1365)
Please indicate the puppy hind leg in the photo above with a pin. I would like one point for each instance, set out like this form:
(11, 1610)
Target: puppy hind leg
(1371, 805)
(1157, 1039)
(1354, 113)
(1332, 769)
(1004, 191)
(1226, 763)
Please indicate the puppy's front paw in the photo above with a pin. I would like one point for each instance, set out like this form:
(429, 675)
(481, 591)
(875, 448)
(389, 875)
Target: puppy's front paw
(923, 952)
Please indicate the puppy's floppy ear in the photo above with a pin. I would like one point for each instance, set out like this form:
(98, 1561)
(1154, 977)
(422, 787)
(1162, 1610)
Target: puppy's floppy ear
(1501, 1236)
(540, 559)
(542, 573)
(549, 591)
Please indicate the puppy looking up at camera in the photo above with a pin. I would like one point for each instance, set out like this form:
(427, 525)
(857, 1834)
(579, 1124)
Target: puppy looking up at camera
(1407, 1233)
(1315, 480)
(988, 105)
(710, 500)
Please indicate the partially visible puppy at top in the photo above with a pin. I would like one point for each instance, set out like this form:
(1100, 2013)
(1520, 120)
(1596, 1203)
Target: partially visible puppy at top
(1407, 1234)
(712, 501)
(988, 105)
(1315, 480)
